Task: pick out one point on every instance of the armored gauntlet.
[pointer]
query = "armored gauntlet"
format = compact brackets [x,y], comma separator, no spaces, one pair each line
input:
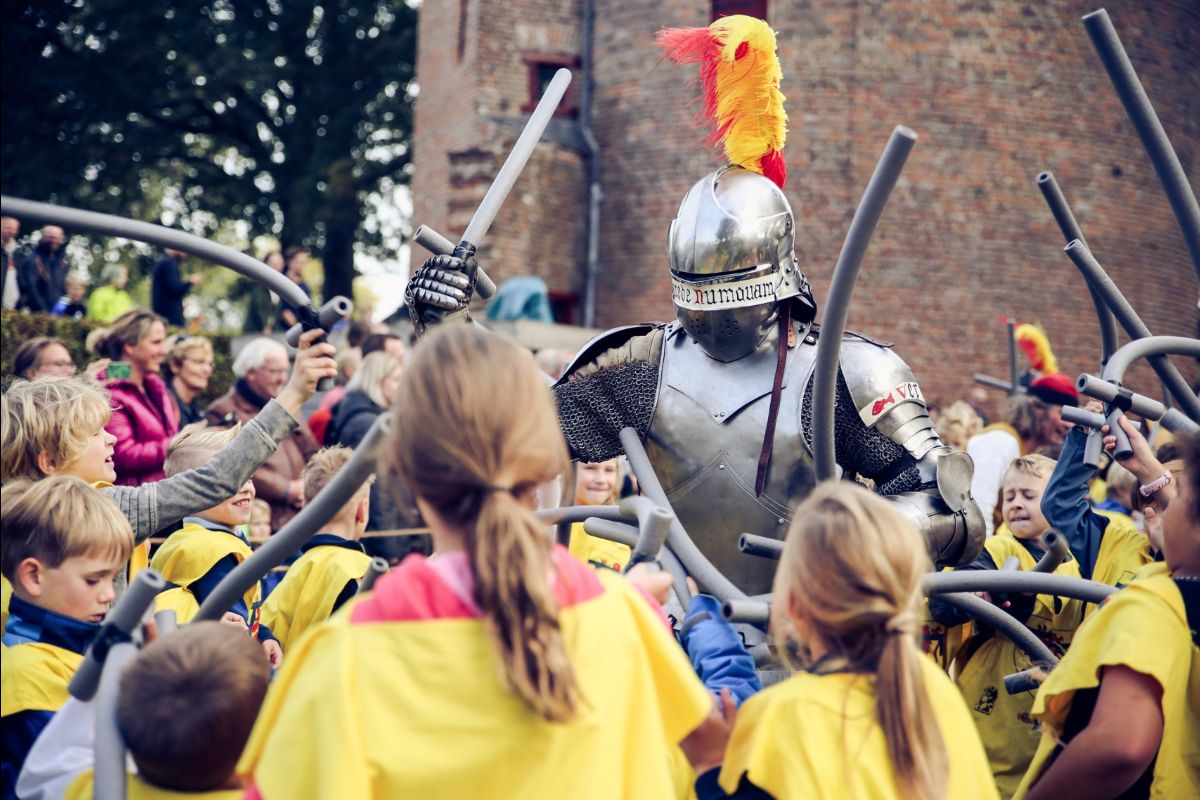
[441,291]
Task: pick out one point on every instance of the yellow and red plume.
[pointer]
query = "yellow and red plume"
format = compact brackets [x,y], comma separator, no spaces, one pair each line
[1036,347]
[740,74]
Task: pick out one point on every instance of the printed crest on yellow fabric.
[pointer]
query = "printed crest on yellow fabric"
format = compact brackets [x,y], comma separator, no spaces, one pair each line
[596,551]
[1006,726]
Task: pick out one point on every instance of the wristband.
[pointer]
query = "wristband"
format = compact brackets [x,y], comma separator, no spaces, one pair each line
[1148,489]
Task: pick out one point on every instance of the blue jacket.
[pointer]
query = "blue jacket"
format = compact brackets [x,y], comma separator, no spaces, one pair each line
[1065,505]
[716,650]
[28,623]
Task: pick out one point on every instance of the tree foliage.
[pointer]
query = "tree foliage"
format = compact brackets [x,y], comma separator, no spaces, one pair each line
[284,114]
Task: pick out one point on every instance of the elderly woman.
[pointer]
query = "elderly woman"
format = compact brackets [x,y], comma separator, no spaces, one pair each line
[189,366]
[144,416]
[262,369]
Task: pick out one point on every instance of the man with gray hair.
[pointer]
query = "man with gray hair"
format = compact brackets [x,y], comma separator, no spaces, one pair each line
[262,370]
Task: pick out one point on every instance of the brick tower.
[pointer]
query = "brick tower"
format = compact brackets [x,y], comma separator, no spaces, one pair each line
[997,92]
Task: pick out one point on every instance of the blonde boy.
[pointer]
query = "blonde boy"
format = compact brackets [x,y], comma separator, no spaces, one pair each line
[55,426]
[62,573]
[1005,725]
[209,545]
[333,562]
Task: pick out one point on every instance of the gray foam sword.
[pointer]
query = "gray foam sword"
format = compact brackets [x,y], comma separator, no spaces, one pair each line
[498,191]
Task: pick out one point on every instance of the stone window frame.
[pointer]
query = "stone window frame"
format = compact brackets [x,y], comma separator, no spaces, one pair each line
[534,62]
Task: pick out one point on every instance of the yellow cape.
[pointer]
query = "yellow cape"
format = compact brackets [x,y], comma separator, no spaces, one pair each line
[35,677]
[817,736]
[414,709]
[1144,627]
[307,592]
[185,557]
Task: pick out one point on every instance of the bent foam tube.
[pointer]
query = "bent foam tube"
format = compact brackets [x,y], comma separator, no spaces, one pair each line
[109,225]
[762,546]
[1149,129]
[1071,230]
[995,581]
[837,301]
[1083,258]
[375,570]
[109,776]
[1005,623]
[1057,551]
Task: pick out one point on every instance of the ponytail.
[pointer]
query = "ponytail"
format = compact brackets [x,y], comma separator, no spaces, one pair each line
[512,565]
[474,433]
[906,716]
[853,565]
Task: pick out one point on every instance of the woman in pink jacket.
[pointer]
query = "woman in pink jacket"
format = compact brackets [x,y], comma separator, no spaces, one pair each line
[145,417]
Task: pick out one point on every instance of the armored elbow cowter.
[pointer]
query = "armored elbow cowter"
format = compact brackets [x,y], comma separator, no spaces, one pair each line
[938,497]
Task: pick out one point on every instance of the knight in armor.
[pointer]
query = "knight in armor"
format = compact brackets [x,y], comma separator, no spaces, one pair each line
[722,395]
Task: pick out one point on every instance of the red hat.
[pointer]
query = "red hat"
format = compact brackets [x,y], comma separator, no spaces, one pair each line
[1056,388]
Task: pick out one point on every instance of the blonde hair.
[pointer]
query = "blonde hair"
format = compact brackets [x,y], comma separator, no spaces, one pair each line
[853,564]
[375,368]
[126,330]
[194,445]
[321,468]
[1034,464]
[477,462]
[186,345]
[957,424]
[58,518]
[260,508]
[54,415]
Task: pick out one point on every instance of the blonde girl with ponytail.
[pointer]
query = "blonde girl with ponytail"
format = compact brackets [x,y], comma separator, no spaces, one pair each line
[866,715]
[500,666]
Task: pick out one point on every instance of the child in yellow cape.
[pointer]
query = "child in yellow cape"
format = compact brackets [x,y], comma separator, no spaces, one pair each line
[333,562]
[501,666]
[869,716]
[1008,731]
[1121,710]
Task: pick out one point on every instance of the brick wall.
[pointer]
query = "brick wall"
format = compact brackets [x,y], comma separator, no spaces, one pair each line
[997,92]
[468,116]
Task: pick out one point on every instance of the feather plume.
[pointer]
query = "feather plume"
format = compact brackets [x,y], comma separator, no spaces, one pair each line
[740,75]
[1036,347]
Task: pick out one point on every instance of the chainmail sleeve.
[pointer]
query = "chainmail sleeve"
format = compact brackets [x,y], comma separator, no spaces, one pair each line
[612,384]
[864,450]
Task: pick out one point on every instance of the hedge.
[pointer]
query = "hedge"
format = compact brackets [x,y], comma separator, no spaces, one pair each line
[18,327]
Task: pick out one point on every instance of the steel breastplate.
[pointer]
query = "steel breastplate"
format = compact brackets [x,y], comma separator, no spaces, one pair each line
[704,441]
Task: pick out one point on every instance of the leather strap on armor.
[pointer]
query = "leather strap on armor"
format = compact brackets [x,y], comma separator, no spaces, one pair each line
[764,456]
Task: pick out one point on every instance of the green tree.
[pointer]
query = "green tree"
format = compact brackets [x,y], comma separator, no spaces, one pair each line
[283,114]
